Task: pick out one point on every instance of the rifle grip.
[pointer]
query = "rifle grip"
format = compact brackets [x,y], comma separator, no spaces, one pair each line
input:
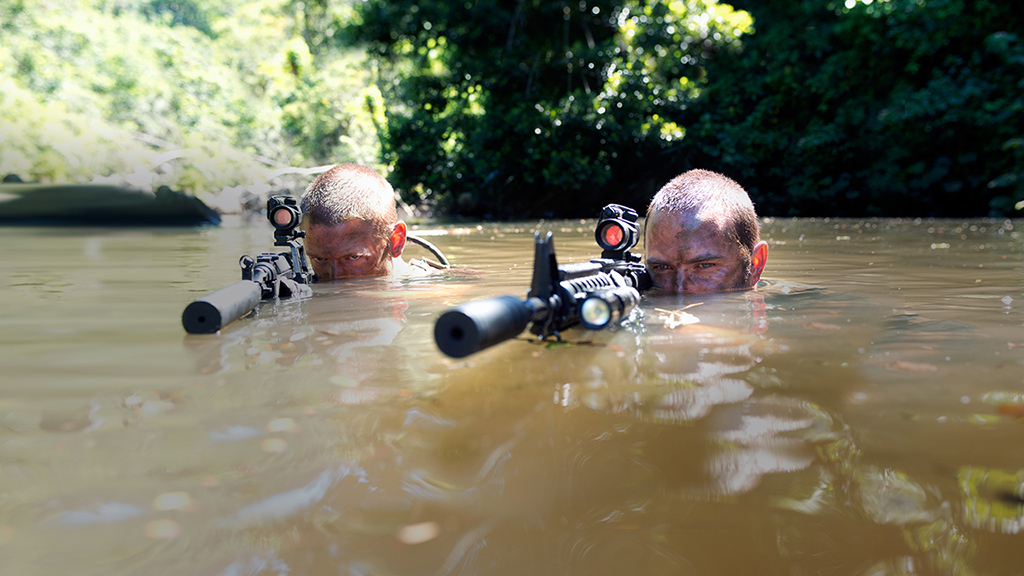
[218,309]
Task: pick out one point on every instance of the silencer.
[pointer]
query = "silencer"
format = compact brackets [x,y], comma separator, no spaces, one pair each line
[474,326]
[218,309]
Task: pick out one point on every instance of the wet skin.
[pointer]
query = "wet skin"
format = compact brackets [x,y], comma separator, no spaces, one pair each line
[352,249]
[689,254]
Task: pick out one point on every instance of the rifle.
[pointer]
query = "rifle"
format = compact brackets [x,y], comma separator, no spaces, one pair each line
[597,293]
[269,276]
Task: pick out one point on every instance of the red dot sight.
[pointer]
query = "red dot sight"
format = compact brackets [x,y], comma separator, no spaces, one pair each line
[283,213]
[617,231]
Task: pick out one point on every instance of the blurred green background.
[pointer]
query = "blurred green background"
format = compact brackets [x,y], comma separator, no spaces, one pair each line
[527,108]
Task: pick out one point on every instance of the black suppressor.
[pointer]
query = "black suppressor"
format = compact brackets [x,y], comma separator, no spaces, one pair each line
[474,326]
[218,309]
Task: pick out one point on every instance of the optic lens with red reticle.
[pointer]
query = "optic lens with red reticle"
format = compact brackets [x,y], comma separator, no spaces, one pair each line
[617,230]
[612,235]
[283,213]
[283,218]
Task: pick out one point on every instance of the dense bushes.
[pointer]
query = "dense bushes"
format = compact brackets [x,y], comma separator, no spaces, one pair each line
[897,107]
[533,107]
[904,107]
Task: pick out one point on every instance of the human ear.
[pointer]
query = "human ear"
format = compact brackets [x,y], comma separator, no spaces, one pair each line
[758,258]
[397,239]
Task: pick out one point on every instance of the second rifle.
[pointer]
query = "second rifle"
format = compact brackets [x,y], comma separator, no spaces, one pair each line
[597,293]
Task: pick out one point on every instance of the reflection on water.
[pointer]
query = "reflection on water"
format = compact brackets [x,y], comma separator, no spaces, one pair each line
[861,413]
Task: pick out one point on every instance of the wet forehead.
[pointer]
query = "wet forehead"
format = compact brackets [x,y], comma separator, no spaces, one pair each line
[352,234]
[688,235]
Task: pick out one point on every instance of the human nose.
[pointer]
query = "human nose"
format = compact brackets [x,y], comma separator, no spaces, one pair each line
[346,268]
[326,269]
[687,283]
[680,281]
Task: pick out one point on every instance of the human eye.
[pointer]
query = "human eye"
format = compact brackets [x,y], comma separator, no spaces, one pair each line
[705,265]
[659,266]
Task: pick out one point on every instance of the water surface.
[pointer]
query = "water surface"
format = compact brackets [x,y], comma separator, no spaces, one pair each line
[858,415]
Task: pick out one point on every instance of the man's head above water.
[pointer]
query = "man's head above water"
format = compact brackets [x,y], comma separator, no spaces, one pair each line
[701,235]
[351,224]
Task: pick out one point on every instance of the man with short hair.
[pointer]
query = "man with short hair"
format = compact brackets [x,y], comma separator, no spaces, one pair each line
[701,235]
[351,224]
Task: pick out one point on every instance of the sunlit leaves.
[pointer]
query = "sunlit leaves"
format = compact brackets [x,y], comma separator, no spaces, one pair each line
[992,498]
[530,108]
[234,84]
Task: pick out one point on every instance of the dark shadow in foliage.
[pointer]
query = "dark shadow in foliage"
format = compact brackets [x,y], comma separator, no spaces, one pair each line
[898,108]
[895,108]
[181,13]
[504,110]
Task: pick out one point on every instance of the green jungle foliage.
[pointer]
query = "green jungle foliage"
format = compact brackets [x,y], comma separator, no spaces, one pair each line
[533,108]
[899,107]
[201,95]
[526,108]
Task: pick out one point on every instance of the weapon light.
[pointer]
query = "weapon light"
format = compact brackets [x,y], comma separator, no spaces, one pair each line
[604,307]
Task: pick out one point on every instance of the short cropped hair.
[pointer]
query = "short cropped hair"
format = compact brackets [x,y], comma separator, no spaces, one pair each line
[349,191]
[710,194]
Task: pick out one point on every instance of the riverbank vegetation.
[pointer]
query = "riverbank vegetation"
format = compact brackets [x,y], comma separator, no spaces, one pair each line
[201,95]
[529,108]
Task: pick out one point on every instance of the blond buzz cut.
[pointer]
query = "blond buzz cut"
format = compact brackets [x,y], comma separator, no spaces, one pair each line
[348,191]
[706,193]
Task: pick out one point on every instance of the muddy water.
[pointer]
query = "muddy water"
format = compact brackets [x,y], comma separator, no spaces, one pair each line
[859,414]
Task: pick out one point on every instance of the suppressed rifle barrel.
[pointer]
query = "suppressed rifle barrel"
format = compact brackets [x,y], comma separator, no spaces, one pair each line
[473,326]
[218,309]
